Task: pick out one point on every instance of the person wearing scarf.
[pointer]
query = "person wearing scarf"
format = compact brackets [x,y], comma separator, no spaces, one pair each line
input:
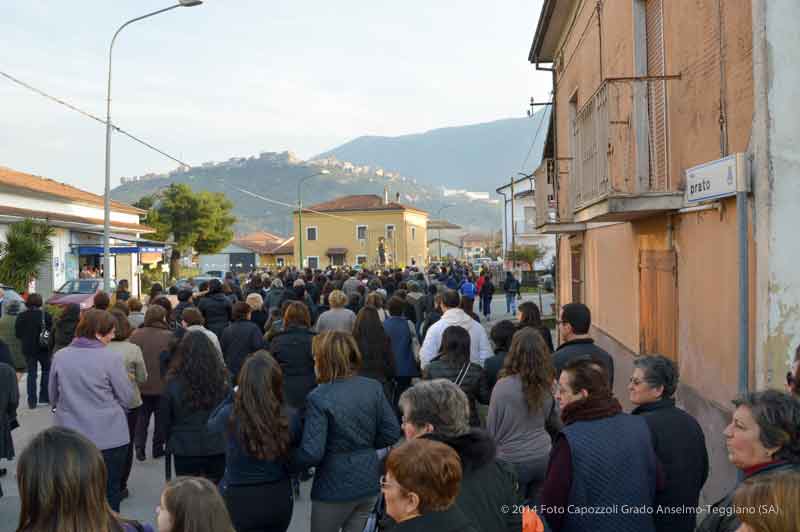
[603,473]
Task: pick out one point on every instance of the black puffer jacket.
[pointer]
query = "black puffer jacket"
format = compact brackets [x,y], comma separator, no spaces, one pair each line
[64,329]
[292,349]
[475,384]
[216,309]
[240,339]
[487,485]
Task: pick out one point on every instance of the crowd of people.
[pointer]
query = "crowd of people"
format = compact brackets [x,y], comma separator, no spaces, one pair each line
[385,390]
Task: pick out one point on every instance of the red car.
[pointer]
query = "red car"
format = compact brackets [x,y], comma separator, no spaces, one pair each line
[79,291]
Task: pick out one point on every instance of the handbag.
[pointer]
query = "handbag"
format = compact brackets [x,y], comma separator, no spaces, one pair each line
[44,335]
[376,515]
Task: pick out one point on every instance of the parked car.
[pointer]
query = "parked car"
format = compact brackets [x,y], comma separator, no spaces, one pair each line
[197,281]
[12,295]
[80,291]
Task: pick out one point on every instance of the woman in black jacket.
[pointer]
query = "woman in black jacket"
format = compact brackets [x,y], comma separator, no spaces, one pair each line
[292,349]
[453,364]
[529,315]
[241,338]
[64,329]
[216,308]
[377,361]
[197,382]
[28,328]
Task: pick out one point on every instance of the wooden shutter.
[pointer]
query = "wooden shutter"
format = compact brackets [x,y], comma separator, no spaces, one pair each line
[658,303]
[657,95]
[577,274]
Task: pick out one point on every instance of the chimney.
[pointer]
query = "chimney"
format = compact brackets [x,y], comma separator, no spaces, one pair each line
[397,197]
[386,194]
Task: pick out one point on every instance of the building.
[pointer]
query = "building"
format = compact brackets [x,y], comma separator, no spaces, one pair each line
[443,248]
[644,92]
[273,251]
[519,223]
[352,229]
[77,217]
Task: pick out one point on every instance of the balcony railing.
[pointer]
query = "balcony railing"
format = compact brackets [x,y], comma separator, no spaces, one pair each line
[590,137]
[546,201]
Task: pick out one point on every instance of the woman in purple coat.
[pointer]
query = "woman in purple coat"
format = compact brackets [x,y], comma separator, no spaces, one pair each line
[90,392]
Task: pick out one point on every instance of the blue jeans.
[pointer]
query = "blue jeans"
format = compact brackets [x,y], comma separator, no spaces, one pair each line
[511,303]
[32,362]
[487,305]
[115,469]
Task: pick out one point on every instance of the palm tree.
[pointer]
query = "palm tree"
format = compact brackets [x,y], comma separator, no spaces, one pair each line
[26,247]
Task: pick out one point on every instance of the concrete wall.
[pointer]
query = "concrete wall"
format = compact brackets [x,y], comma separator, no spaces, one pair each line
[776,180]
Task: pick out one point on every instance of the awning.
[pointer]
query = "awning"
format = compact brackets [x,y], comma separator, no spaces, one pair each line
[336,251]
[98,250]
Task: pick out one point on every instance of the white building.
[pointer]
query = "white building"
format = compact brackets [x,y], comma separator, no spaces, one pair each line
[519,220]
[77,217]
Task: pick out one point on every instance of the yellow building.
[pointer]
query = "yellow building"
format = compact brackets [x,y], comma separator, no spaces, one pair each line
[352,229]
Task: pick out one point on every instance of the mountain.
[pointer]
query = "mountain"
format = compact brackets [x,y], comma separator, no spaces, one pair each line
[274,176]
[476,157]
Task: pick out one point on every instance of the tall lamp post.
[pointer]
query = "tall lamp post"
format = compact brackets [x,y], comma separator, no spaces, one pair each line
[439,213]
[107,196]
[300,210]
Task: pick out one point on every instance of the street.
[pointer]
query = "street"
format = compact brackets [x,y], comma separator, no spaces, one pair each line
[147,478]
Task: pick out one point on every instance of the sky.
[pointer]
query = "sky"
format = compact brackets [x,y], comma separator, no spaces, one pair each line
[233,78]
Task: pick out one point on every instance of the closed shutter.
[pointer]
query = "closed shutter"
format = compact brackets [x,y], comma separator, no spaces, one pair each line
[577,274]
[658,304]
[657,95]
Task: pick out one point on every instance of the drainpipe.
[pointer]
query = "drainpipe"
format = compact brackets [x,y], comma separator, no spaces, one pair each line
[742,178]
[505,223]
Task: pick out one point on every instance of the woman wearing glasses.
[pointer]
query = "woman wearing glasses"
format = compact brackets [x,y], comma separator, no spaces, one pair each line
[685,459]
[420,488]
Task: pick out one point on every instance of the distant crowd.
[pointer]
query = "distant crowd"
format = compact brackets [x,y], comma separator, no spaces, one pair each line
[386,389]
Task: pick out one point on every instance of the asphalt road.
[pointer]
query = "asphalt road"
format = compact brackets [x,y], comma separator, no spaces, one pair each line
[147,478]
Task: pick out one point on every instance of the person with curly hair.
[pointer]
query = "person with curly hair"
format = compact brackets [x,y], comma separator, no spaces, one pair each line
[522,408]
[197,382]
[259,438]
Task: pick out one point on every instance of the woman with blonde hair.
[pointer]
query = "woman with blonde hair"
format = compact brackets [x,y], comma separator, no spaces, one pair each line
[338,318]
[769,503]
[348,420]
[62,486]
[257,314]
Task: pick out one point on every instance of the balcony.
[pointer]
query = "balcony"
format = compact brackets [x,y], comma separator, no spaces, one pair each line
[618,168]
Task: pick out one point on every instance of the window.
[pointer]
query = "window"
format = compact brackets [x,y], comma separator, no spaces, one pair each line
[337,260]
[280,262]
[389,231]
[311,233]
[361,259]
[313,262]
[361,232]
[413,233]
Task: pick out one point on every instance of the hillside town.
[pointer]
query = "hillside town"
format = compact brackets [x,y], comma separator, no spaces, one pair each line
[603,338]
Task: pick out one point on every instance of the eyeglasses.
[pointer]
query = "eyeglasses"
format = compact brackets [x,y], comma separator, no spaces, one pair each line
[635,382]
[386,484]
[790,380]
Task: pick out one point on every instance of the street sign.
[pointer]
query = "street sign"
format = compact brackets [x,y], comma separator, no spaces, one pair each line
[712,180]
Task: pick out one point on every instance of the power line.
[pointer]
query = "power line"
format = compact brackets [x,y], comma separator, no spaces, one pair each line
[536,136]
[89,115]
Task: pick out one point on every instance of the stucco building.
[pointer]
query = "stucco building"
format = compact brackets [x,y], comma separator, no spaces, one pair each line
[77,219]
[351,230]
[644,90]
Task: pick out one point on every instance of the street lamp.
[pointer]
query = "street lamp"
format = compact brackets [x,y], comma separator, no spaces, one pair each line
[300,210]
[107,196]
[438,213]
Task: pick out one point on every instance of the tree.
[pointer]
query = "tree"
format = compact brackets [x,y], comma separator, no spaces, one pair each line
[26,247]
[529,255]
[202,220]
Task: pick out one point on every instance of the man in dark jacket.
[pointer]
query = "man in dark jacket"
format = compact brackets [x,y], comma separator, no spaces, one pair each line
[439,410]
[215,307]
[28,329]
[684,458]
[241,338]
[576,319]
